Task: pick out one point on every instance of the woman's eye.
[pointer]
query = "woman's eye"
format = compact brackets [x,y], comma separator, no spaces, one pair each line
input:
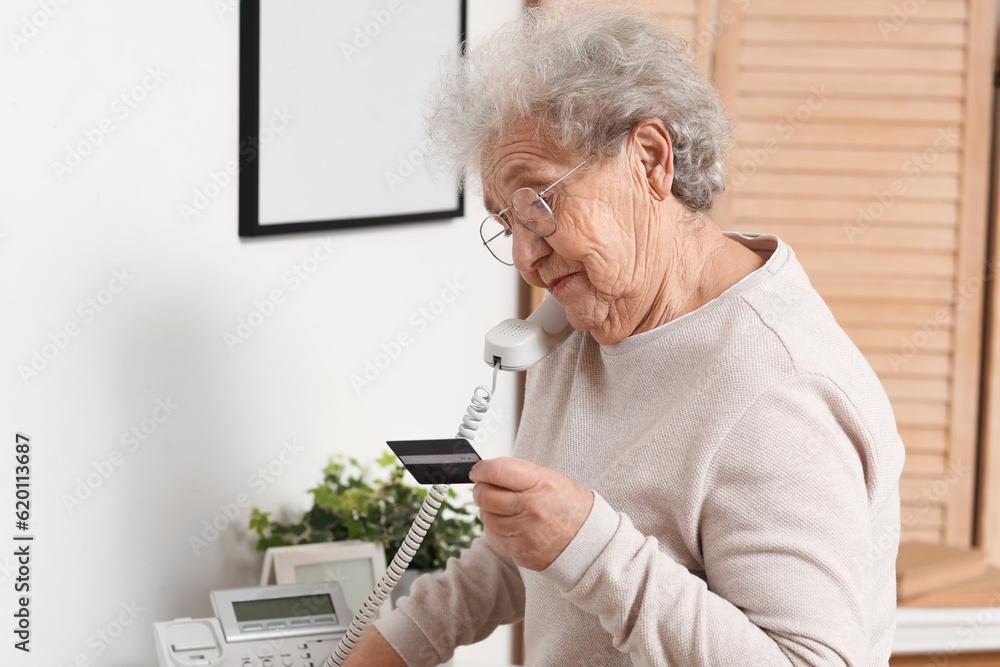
[543,205]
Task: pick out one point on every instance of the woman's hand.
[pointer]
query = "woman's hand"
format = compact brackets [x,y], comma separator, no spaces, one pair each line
[530,513]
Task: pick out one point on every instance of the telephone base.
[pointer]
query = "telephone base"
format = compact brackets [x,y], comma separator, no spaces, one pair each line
[206,647]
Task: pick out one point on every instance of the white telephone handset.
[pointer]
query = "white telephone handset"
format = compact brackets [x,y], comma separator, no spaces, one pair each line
[512,345]
[516,345]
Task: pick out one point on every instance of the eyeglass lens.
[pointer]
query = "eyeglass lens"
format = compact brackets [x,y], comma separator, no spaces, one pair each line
[531,210]
[497,237]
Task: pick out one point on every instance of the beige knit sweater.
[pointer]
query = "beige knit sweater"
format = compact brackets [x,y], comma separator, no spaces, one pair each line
[745,463]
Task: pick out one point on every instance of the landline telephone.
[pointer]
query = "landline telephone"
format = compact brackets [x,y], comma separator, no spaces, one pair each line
[273,631]
[292,625]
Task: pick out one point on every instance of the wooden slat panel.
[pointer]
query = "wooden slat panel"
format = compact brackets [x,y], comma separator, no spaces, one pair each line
[921,516]
[916,389]
[914,488]
[905,164]
[901,212]
[768,106]
[875,262]
[924,439]
[897,313]
[692,20]
[928,490]
[707,33]
[854,32]
[912,362]
[859,188]
[681,23]
[683,26]
[666,6]
[891,339]
[875,84]
[908,534]
[858,58]
[846,135]
[853,9]
[918,464]
[882,290]
[920,414]
[877,236]
[923,363]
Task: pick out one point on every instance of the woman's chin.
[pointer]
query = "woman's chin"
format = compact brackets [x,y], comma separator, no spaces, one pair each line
[584,318]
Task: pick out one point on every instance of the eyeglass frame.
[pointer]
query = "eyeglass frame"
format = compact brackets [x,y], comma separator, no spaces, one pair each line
[518,216]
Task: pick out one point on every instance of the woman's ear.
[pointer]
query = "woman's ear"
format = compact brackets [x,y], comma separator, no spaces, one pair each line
[654,150]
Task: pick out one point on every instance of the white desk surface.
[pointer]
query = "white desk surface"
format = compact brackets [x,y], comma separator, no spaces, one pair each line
[957,630]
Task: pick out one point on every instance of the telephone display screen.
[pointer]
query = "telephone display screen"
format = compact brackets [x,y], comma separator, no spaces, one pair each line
[262,610]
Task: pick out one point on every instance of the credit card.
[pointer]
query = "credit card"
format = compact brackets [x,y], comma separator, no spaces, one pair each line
[436,461]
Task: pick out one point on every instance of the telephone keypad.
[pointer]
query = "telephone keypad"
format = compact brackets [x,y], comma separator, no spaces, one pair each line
[307,653]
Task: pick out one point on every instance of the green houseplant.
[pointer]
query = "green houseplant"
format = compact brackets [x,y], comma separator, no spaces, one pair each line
[347,507]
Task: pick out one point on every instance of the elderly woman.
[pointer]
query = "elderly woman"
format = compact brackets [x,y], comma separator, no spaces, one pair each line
[707,469]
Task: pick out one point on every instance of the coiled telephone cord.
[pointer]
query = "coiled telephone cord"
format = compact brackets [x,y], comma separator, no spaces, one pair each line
[474,414]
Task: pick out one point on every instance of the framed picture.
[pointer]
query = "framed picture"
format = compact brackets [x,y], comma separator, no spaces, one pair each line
[355,565]
[331,112]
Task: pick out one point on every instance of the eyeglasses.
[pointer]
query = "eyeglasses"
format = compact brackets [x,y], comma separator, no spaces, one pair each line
[531,209]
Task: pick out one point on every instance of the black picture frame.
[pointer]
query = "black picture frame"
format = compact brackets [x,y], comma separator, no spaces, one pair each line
[424,203]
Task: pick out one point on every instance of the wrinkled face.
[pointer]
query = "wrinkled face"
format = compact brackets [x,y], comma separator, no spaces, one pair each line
[597,262]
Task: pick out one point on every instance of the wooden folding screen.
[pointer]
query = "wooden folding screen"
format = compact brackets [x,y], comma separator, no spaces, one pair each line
[863,131]
[863,141]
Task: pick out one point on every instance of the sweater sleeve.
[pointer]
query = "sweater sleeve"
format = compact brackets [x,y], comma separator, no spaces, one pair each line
[783,532]
[477,591]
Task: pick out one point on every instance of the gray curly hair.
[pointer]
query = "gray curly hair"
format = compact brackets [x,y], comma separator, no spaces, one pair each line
[584,75]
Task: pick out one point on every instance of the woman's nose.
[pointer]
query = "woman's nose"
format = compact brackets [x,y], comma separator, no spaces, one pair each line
[528,248]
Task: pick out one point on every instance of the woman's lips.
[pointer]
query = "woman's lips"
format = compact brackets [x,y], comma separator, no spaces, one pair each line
[561,281]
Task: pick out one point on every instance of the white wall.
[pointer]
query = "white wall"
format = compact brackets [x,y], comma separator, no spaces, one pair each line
[160,337]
